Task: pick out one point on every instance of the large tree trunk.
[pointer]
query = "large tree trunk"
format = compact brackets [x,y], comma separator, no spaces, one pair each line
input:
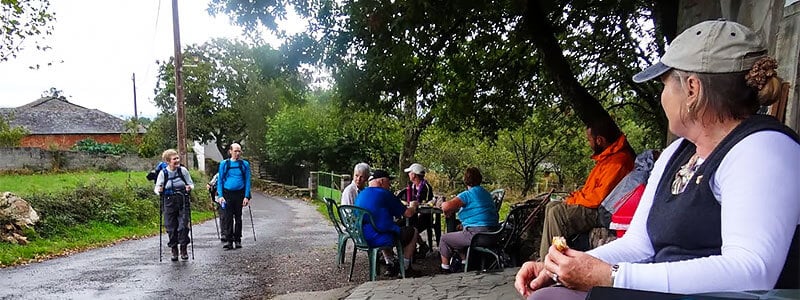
[538,28]
[412,129]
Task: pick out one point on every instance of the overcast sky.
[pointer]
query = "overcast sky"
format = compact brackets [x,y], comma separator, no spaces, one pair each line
[102,43]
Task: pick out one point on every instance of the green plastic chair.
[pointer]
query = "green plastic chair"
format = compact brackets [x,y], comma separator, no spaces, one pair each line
[333,208]
[352,218]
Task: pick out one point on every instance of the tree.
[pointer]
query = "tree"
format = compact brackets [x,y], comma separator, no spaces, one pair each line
[161,135]
[53,93]
[451,153]
[11,136]
[227,84]
[533,144]
[299,138]
[22,20]
[481,64]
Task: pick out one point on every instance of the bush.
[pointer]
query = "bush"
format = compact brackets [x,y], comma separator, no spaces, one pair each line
[129,204]
[93,147]
[92,202]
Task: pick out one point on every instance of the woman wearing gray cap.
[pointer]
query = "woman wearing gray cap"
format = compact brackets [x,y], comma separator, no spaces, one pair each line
[721,205]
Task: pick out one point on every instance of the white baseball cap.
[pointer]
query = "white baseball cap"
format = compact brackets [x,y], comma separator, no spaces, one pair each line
[717,46]
[416,169]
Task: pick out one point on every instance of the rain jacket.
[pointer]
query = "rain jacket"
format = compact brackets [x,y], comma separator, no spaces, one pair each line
[611,166]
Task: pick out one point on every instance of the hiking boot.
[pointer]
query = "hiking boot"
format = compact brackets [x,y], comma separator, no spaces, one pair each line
[423,248]
[175,253]
[410,273]
[228,246]
[237,245]
[184,253]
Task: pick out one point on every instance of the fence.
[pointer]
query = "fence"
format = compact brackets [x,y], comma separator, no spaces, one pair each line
[324,184]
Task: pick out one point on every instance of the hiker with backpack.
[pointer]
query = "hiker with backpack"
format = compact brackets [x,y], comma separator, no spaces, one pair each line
[233,193]
[173,184]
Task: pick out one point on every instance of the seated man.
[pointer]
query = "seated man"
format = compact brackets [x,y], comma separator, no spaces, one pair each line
[360,175]
[384,206]
[578,212]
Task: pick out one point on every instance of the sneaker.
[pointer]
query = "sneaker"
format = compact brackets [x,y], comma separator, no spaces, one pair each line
[456,265]
[237,245]
[228,246]
[175,253]
[184,253]
[445,271]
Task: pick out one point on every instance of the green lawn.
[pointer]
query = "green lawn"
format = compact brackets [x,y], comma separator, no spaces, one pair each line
[49,183]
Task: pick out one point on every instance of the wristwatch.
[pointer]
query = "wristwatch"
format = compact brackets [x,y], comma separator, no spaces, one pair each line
[614,270]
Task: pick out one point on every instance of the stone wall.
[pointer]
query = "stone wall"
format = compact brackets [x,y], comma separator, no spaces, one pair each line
[38,159]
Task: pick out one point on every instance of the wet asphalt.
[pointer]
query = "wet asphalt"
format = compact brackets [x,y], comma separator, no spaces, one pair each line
[131,269]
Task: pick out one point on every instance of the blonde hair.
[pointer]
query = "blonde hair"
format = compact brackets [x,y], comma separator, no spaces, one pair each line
[168,154]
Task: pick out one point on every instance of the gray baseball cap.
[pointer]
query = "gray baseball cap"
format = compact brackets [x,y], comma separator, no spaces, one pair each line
[718,46]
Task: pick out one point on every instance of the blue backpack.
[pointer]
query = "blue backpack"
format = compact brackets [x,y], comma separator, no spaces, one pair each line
[153,174]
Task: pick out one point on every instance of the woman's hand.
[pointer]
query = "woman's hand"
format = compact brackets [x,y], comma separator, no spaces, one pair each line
[530,277]
[577,270]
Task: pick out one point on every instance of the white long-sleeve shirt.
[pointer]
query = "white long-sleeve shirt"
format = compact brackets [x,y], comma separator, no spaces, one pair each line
[758,187]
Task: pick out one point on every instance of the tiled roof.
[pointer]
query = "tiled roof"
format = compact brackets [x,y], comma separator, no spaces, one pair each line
[52,115]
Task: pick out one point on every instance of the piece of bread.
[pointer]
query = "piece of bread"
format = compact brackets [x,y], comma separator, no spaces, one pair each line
[560,242]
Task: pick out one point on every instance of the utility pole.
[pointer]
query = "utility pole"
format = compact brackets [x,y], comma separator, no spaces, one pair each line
[179,113]
[135,110]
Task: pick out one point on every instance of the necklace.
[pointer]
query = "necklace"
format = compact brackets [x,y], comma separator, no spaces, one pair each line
[685,174]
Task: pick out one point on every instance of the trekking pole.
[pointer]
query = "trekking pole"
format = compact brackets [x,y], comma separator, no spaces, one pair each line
[160,221]
[214,210]
[252,225]
[188,202]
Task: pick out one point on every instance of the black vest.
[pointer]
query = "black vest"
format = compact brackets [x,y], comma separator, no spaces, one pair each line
[688,225]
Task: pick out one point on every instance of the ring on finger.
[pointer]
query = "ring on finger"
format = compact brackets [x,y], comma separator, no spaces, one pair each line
[554,276]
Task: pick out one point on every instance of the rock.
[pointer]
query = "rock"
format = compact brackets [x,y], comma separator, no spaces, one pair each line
[18,210]
[15,214]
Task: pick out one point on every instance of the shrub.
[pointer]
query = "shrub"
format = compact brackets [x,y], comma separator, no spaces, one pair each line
[93,147]
[132,204]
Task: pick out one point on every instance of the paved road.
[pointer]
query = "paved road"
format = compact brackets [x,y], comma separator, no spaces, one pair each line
[131,269]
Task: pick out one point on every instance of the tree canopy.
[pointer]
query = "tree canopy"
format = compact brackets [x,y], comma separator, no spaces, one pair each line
[24,20]
[481,64]
[229,90]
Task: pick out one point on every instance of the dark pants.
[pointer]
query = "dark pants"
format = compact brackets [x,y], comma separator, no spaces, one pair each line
[232,220]
[176,219]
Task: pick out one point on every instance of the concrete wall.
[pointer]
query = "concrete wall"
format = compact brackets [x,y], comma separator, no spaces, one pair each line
[37,159]
[777,20]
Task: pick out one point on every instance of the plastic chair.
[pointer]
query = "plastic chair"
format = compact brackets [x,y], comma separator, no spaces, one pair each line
[354,219]
[502,244]
[333,208]
[497,196]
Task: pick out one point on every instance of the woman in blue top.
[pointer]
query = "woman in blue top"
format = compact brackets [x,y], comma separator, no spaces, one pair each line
[475,210]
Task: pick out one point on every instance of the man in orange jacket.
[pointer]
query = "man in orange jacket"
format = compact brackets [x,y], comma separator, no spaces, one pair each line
[613,158]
